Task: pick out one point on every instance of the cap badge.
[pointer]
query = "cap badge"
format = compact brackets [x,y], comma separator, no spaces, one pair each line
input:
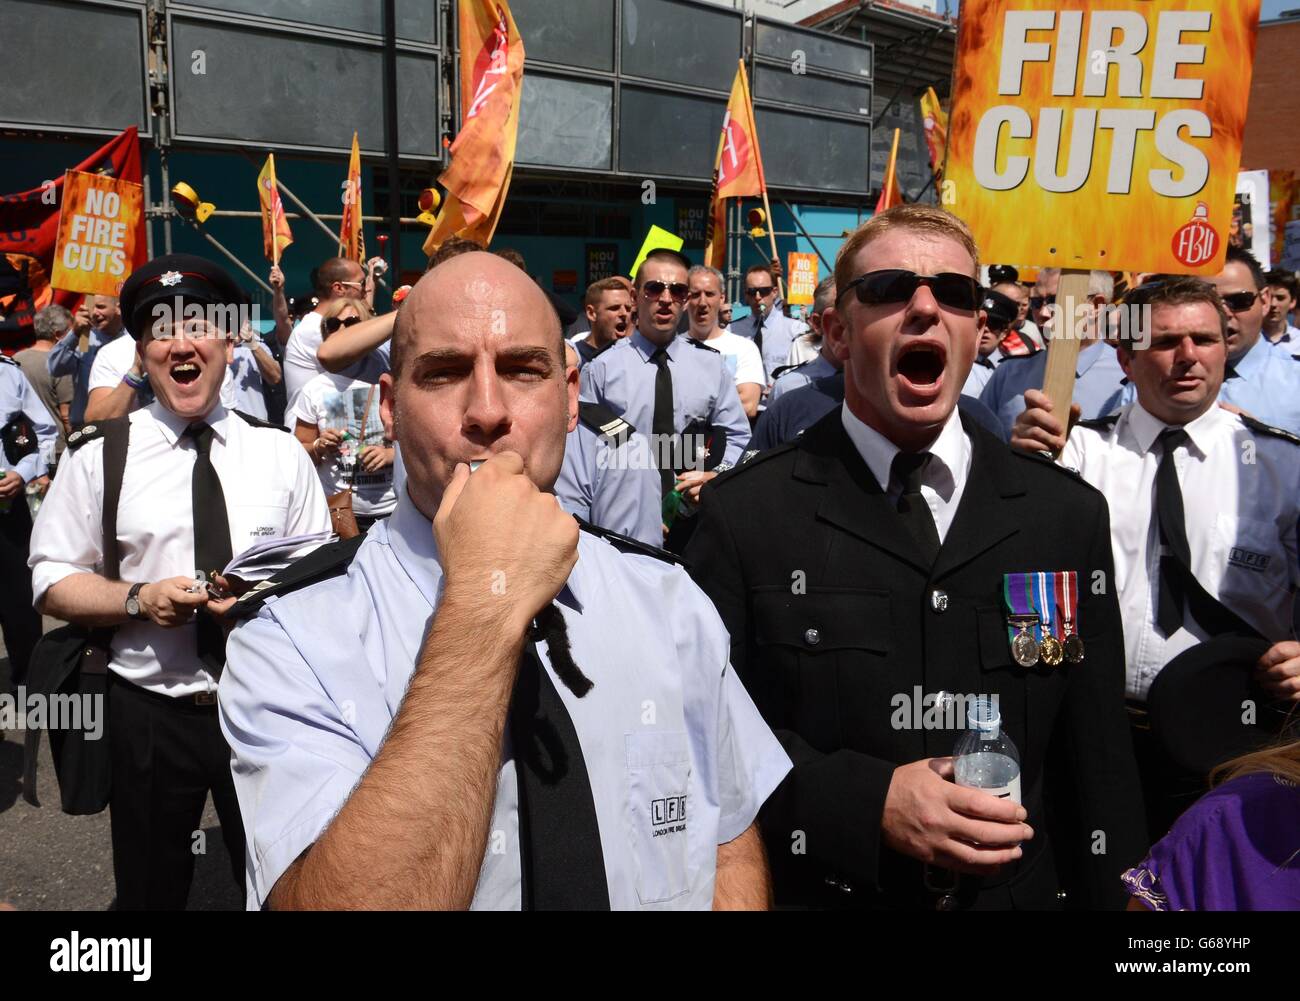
[170,278]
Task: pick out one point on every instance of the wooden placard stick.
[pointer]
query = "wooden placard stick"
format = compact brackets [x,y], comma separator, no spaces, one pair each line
[1063,348]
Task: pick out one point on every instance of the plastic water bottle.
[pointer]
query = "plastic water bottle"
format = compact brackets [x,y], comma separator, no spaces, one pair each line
[985,758]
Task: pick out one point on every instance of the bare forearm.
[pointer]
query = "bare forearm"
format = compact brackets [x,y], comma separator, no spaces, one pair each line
[351,344]
[87,599]
[267,365]
[104,404]
[413,832]
[750,394]
[280,313]
[743,882]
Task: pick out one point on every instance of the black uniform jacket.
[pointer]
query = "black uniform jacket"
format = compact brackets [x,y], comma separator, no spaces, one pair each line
[837,627]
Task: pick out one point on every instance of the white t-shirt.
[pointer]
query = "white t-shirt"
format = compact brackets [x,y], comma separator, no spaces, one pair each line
[742,356]
[300,364]
[339,402]
[117,357]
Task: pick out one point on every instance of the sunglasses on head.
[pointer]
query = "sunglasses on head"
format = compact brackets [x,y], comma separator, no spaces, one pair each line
[1239,302]
[881,288]
[333,323]
[762,291]
[654,289]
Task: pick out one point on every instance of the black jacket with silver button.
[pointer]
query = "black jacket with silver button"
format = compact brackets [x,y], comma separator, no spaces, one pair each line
[833,615]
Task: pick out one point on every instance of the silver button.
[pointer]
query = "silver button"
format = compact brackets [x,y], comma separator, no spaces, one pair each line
[939,601]
[837,884]
[812,637]
[946,903]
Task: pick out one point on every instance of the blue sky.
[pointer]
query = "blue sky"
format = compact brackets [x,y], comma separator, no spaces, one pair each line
[1271,8]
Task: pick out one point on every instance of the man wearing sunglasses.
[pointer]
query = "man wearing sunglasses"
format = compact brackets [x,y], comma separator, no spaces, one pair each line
[338,278]
[1098,378]
[862,568]
[1000,314]
[767,325]
[665,385]
[1042,302]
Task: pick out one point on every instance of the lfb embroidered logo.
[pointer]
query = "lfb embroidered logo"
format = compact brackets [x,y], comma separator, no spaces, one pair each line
[1247,560]
[668,815]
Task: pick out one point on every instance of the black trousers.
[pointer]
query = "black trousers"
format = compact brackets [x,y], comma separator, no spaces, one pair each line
[18,620]
[1167,789]
[167,754]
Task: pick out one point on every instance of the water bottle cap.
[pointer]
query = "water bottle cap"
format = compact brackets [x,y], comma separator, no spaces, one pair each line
[984,715]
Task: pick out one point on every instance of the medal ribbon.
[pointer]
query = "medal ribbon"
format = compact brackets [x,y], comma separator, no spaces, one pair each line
[1018,592]
[1046,604]
[1069,597]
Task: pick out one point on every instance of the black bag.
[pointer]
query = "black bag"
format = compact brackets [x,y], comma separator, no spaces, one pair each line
[73,661]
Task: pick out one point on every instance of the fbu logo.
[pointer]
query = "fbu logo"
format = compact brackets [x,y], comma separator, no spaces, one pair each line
[668,811]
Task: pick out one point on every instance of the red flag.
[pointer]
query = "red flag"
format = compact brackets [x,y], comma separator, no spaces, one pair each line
[29,227]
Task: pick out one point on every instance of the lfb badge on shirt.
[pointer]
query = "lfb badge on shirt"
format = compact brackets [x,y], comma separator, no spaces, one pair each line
[1043,617]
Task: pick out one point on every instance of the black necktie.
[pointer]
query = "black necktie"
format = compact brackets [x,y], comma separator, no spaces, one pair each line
[561,861]
[1178,585]
[662,426]
[758,335]
[912,508]
[211,540]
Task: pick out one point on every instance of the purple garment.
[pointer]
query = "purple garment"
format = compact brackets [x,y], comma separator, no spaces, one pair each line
[1237,848]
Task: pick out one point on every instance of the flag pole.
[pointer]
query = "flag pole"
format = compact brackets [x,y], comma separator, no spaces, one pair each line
[771,235]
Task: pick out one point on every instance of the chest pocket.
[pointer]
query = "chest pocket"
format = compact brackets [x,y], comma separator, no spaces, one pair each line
[1251,559]
[823,620]
[258,519]
[658,810]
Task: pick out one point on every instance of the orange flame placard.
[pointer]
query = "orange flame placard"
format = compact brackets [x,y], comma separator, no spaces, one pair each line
[1100,133]
[97,249]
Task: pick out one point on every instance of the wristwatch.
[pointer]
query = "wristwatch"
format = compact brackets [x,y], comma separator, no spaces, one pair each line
[133,603]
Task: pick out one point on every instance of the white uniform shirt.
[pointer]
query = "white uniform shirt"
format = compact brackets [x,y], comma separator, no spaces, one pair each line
[271,491]
[944,478]
[314,682]
[117,357]
[1241,499]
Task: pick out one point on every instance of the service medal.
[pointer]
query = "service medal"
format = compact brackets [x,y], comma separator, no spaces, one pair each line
[1074,649]
[1072,645]
[1051,651]
[1024,648]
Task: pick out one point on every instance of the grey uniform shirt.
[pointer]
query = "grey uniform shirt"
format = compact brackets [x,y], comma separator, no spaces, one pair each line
[18,398]
[623,379]
[313,683]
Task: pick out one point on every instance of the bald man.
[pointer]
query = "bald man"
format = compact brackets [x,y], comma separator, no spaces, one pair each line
[477,704]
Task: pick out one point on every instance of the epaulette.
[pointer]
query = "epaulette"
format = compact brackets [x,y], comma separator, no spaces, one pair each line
[1268,429]
[701,345]
[6,360]
[1099,423]
[1044,459]
[783,369]
[257,422]
[626,544]
[756,457]
[92,431]
[320,564]
[602,421]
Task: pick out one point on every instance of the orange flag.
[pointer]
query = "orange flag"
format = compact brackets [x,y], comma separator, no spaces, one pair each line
[889,193]
[483,155]
[275,226]
[738,169]
[352,242]
[936,128]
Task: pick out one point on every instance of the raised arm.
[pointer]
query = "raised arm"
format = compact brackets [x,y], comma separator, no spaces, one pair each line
[349,345]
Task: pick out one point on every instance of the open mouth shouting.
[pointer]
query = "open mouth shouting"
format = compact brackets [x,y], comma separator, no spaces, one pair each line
[921,366]
[184,373]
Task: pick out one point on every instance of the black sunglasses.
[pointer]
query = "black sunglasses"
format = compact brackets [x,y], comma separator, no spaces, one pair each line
[880,288]
[654,289]
[333,323]
[760,290]
[1239,302]
[1037,302]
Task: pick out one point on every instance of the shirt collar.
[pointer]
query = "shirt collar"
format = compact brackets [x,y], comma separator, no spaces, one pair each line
[648,347]
[410,536]
[1146,428]
[1089,355]
[173,426]
[1253,360]
[951,451]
